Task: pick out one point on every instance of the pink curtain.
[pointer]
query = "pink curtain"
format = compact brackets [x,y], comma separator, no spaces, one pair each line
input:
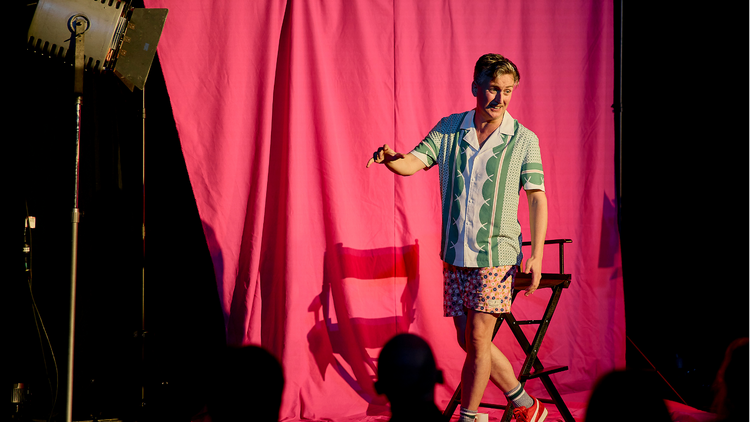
[279,104]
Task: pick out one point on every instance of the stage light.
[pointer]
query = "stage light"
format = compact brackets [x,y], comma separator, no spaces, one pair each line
[96,36]
[118,37]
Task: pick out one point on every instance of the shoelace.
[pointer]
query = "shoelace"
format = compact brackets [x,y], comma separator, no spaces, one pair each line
[520,414]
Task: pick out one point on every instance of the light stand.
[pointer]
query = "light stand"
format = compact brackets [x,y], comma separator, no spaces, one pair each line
[78,25]
[122,40]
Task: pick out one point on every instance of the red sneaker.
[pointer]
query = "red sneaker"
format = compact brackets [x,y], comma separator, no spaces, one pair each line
[535,413]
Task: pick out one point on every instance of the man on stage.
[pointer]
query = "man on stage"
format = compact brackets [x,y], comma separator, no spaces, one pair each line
[484,157]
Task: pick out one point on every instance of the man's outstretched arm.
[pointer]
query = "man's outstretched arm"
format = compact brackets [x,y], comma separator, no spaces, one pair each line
[403,165]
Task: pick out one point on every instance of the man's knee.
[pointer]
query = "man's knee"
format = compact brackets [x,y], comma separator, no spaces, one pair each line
[479,328]
[478,341]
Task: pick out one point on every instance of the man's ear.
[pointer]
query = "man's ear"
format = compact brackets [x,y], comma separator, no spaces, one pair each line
[474,88]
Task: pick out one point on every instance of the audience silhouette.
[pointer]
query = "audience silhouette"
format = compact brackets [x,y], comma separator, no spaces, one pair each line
[626,396]
[731,384]
[407,375]
[250,382]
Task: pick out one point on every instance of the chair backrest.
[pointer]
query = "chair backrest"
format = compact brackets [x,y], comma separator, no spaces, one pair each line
[561,250]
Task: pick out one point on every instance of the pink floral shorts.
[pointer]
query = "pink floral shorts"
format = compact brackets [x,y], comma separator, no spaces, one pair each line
[487,290]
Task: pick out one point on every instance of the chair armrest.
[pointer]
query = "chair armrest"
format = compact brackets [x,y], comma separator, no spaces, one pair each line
[561,249]
[550,242]
[523,280]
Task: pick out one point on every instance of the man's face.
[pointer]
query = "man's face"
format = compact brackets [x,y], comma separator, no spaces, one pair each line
[493,96]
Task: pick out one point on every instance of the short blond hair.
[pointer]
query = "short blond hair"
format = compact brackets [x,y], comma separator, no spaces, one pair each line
[493,65]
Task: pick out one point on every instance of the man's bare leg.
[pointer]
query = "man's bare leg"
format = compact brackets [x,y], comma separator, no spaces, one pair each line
[483,362]
[478,365]
[501,371]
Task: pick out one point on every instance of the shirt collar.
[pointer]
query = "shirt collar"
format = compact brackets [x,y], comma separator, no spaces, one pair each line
[507,127]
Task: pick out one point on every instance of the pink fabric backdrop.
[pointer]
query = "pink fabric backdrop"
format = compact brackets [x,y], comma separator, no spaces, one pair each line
[279,104]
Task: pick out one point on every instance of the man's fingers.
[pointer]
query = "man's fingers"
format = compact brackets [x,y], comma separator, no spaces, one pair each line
[535,280]
[386,150]
[376,157]
[379,155]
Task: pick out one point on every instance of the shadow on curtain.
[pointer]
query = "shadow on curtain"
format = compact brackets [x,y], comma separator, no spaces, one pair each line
[348,332]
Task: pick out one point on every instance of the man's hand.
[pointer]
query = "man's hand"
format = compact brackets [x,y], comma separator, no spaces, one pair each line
[401,164]
[533,267]
[384,154]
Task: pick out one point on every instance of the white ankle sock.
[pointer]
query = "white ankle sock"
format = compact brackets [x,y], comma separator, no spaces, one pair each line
[519,397]
[467,415]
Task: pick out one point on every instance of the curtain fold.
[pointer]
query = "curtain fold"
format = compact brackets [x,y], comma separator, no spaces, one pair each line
[279,104]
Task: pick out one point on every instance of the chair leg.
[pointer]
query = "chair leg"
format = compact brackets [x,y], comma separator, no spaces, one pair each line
[455,400]
[555,396]
[532,349]
[508,414]
[498,323]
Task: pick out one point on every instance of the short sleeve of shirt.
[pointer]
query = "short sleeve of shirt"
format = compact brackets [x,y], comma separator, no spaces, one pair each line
[532,174]
[427,151]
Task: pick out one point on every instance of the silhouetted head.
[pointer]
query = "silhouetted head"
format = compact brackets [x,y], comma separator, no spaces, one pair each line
[248,386]
[731,387]
[626,396]
[407,370]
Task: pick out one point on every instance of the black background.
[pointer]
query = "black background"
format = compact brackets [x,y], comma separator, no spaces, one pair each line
[684,201]
[683,222]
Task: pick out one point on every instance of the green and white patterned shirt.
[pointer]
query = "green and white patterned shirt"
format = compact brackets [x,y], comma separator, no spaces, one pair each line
[480,187]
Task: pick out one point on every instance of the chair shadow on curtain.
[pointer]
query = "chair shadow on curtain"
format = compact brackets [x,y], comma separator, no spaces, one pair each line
[367,297]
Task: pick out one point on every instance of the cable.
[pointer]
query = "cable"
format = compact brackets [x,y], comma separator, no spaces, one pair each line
[657,371]
[38,316]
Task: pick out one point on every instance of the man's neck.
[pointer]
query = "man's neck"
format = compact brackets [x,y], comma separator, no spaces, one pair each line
[485,128]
